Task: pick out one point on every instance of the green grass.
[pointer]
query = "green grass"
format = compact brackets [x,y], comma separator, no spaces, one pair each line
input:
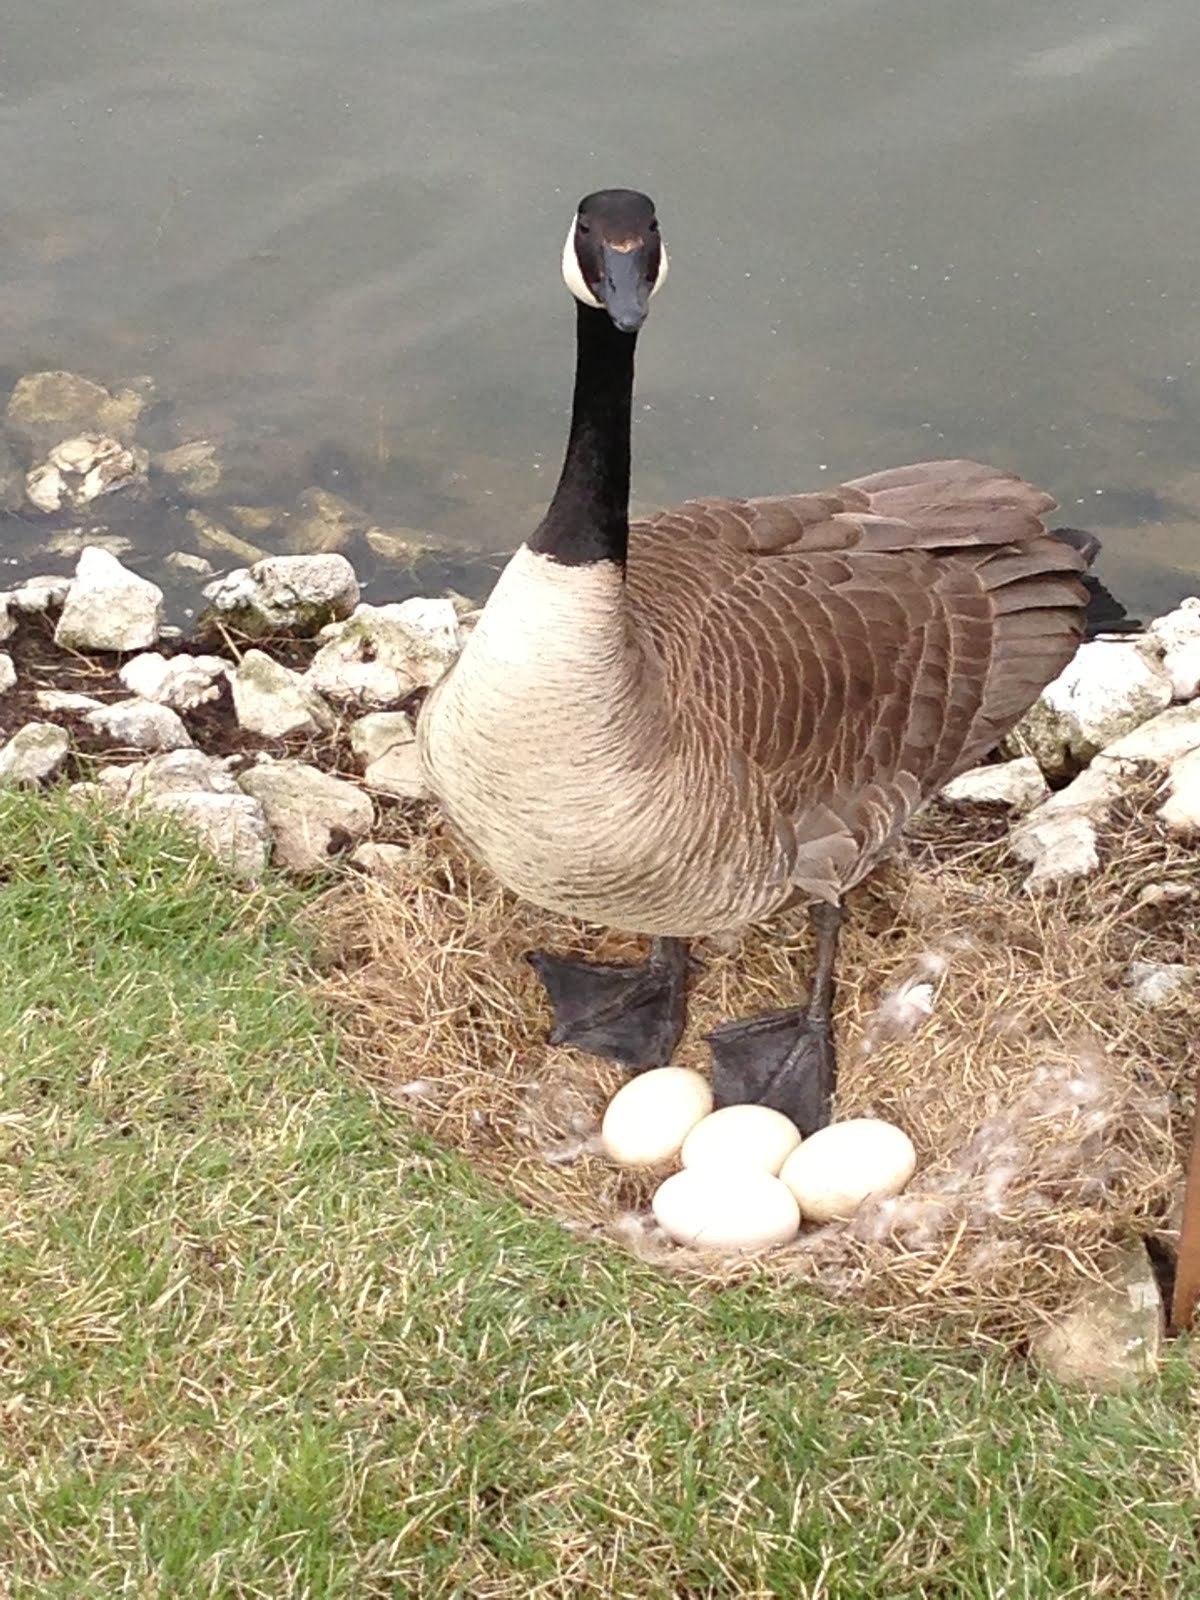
[256,1339]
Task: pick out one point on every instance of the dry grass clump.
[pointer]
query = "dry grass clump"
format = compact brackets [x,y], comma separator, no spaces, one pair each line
[1048,1107]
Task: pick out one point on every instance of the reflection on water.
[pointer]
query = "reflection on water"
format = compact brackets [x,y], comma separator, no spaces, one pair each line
[898,227]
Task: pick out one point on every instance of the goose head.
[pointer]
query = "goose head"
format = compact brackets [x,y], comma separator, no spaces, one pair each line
[614,258]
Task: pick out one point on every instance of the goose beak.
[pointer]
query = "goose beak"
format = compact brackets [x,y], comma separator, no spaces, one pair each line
[624,289]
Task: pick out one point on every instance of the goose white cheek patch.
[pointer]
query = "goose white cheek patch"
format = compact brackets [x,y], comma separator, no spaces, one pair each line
[574,279]
[572,276]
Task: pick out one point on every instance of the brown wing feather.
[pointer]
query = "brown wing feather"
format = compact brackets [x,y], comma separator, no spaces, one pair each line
[858,648]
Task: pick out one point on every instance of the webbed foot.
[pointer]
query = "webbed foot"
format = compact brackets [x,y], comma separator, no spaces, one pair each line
[780,1059]
[632,1013]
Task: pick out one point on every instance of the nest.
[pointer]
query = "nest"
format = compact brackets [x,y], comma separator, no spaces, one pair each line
[1049,1107]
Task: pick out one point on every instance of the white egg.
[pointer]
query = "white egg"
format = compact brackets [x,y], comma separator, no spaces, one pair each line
[726,1209]
[741,1136]
[835,1170]
[649,1117]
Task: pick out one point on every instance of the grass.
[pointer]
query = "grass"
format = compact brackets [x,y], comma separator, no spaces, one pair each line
[258,1338]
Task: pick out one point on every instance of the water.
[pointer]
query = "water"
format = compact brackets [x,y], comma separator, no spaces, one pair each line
[898,228]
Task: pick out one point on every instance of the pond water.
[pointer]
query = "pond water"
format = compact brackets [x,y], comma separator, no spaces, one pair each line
[330,236]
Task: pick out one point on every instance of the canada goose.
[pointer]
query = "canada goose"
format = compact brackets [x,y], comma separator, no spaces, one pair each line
[681,726]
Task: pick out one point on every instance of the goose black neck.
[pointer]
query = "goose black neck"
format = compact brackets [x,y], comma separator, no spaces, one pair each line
[588,518]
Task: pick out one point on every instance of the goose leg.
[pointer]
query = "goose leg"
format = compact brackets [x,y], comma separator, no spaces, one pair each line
[785,1059]
[633,1014]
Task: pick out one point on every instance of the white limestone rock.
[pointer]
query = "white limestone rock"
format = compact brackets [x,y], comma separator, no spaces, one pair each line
[218,539]
[1181,809]
[65,700]
[292,595]
[194,466]
[1058,848]
[325,523]
[47,406]
[80,470]
[182,682]
[372,736]
[1154,983]
[403,547]
[185,561]
[398,773]
[1017,784]
[1112,1336]
[33,754]
[38,595]
[1162,739]
[1109,688]
[178,772]
[311,815]
[1178,636]
[230,827]
[139,725]
[202,793]
[385,652]
[271,700]
[72,542]
[8,673]
[8,621]
[109,607]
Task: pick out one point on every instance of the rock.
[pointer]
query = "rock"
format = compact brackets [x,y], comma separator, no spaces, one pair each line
[184,561]
[326,523]
[1155,982]
[404,546]
[1111,1338]
[203,795]
[382,860]
[64,700]
[73,542]
[183,682]
[12,478]
[1110,688]
[1017,784]
[194,466]
[8,673]
[1167,892]
[1178,635]
[398,773]
[8,622]
[109,607]
[230,827]
[1181,809]
[273,701]
[385,652]
[179,772]
[1182,666]
[372,736]
[310,814]
[294,595]
[80,470]
[140,725]
[38,595]
[1115,771]
[47,406]
[1059,847]
[256,520]
[34,753]
[212,536]
[1163,739]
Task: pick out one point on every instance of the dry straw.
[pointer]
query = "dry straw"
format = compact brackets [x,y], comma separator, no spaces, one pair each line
[1048,1106]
